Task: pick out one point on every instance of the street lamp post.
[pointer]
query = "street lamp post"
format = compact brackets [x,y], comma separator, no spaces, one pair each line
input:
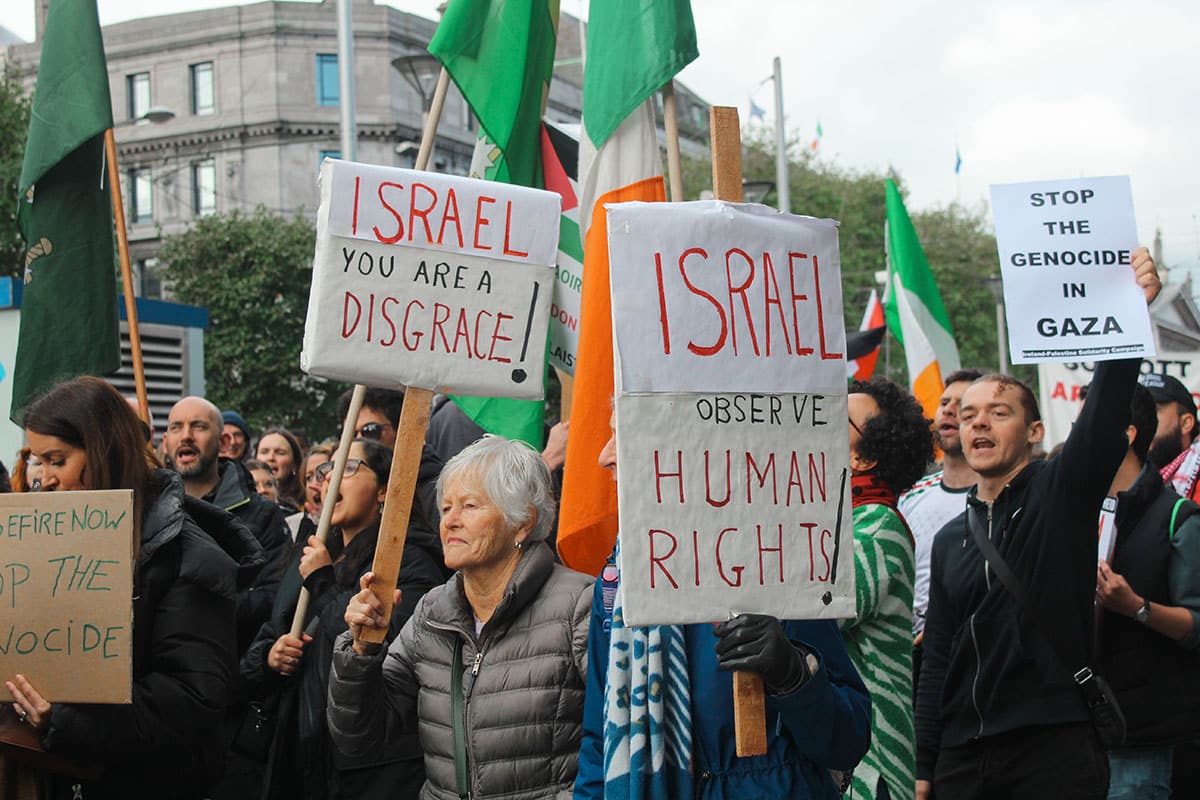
[996,284]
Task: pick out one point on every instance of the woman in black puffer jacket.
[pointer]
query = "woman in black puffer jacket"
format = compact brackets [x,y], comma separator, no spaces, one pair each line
[292,674]
[191,558]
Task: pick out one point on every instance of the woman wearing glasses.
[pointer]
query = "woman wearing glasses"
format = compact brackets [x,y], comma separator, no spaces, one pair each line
[292,673]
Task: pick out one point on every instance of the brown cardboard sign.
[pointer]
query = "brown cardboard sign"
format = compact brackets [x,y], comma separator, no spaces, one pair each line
[66,587]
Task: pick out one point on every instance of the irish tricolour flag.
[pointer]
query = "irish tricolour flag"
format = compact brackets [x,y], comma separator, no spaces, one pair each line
[633,48]
[915,314]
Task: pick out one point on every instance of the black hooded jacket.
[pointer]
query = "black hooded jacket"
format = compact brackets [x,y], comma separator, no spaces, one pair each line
[236,494]
[985,670]
[304,762]
[192,561]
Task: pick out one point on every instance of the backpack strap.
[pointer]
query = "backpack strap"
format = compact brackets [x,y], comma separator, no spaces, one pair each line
[1174,515]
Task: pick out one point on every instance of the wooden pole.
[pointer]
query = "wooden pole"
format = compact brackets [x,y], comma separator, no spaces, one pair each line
[410,438]
[749,698]
[567,382]
[671,124]
[135,339]
[335,485]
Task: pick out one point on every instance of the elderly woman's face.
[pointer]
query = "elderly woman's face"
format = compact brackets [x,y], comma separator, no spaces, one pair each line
[473,530]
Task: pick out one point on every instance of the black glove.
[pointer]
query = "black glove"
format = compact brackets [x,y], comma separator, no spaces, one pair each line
[757,643]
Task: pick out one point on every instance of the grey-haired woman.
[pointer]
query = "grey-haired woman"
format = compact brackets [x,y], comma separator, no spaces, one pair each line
[491,668]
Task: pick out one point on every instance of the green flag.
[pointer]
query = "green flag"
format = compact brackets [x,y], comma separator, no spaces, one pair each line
[69,306]
[913,304]
[644,46]
[500,54]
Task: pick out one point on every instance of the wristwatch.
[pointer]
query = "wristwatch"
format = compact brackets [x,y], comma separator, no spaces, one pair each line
[1142,615]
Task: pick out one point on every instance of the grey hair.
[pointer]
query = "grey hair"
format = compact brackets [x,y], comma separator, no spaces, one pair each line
[513,476]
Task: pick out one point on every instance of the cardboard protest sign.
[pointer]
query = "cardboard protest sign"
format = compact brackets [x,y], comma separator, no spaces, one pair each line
[733,459]
[66,583]
[430,280]
[1060,386]
[1065,249]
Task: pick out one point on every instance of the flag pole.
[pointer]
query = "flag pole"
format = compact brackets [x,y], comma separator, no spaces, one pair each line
[782,190]
[749,697]
[671,124]
[135,339]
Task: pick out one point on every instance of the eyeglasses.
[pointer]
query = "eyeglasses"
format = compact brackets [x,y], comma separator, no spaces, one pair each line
[314,476]
[352,465]
[857,429]
[372,431]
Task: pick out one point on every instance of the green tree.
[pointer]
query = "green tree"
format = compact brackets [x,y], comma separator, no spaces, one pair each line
[253,274]
[14,128]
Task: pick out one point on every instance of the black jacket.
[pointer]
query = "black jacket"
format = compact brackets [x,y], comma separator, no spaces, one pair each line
[236,494]
[304,761]
[985,671]
[167,743]
[1157,681]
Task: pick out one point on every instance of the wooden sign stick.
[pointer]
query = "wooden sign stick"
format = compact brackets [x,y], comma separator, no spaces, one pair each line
[410,438]
[749,697]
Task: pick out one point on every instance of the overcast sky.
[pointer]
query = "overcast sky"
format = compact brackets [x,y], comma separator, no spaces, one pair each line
[1025,90]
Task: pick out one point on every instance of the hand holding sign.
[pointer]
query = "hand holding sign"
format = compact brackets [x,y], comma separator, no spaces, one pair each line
[1146,273]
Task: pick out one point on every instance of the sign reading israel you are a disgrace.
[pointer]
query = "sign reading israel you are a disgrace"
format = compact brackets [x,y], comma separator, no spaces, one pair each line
[66,583]
[1065,252]
[430,280]
[732,432]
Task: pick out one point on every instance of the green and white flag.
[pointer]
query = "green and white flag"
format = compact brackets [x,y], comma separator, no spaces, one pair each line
[69,307]
[500,54]
[915,313]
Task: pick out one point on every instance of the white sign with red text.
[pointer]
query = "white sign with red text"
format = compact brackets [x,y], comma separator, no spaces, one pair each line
[429,280]
[731,418]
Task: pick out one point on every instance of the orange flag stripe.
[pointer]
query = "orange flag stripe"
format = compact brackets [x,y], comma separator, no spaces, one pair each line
[587,521]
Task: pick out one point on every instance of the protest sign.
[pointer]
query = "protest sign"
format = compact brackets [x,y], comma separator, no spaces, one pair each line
[1060,387]
[731,414]
[1065,249]
[66,583]
[432,281]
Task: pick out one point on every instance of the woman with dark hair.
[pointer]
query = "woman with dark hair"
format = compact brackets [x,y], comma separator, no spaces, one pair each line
[293,673]
[890,445]
[167,741]
[280,450]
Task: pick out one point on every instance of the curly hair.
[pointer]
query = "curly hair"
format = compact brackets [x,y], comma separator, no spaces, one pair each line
[897,439]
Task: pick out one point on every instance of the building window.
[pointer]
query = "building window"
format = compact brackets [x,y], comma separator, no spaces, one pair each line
[139,94]
[327,79]
[141,196]
[147,282]
[204,188]
[202,88]
[324,154]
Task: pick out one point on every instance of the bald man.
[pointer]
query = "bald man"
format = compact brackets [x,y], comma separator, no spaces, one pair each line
[191,446]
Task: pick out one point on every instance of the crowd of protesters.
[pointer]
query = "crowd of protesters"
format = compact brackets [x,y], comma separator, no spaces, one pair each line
[994,651]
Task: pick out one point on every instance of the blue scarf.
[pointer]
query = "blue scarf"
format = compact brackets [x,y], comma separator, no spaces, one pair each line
[647,712]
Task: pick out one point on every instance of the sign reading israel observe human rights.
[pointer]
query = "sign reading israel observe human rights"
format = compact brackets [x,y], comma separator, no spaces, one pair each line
[730,413]
[430,280]
[1065,250]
